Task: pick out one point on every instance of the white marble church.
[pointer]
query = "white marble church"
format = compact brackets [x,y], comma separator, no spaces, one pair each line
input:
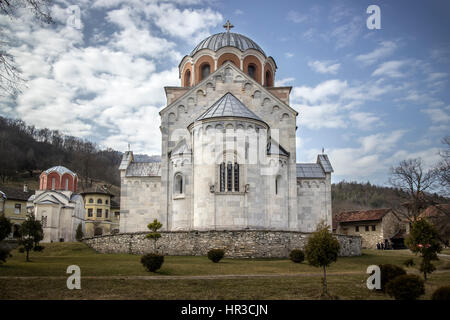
[228,147]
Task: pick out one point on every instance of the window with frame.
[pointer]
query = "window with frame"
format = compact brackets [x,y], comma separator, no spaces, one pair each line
[178,185]
[53,183]
[106,213]
[44,221]
[356,228]
[90,212]
[374,228]
[251,70]
[277,184]
[229,177]
[91,200]
[367,228]
[99,213]
[205,70]
[17,208]
[99,201]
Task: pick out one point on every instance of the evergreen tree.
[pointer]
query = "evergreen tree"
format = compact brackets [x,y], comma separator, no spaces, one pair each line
[321,250]
[31,233]
[424,239]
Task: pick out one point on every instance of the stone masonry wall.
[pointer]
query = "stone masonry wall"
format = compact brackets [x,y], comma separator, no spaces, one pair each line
[237,244]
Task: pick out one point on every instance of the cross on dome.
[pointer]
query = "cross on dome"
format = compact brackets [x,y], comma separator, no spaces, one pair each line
[228,26]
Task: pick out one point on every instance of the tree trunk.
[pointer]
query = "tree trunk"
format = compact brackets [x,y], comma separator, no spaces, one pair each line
[425,276]
[28,253]
[325,291]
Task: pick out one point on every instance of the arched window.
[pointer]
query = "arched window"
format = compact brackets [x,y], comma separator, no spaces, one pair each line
[236,176]
[187,78]
[229,177]
[99,201]
[222,177]
[178,185]
[67,184]
[53,183]
[91,200]
[206,70]
[251,70]
[268,79]
[277,184]
[106,201]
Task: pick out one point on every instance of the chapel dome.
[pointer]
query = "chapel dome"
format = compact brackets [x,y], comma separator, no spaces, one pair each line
[227,39]
[60,169]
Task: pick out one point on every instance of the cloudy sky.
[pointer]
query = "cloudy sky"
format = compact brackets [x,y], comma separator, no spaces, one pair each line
[369,97]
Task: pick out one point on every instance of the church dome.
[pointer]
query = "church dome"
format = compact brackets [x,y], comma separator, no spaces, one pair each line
[60,169]
[227,39]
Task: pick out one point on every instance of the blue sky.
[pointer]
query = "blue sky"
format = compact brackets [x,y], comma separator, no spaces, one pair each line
[370,97]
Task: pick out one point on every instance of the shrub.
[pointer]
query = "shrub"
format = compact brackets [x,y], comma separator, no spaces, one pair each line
[297,256]
[388,273]
[442,293]
[79,232]
[409,263]
[215,255]
[406,287]
[152,261]
[4,254]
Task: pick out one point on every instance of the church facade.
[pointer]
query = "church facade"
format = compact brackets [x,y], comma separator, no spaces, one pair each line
[228,151]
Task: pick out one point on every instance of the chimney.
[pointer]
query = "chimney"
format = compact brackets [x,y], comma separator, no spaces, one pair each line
[25,188]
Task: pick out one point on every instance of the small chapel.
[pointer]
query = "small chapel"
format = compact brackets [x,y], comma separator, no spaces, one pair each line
[228,150]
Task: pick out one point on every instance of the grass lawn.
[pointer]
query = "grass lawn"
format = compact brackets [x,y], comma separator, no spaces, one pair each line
[278,278]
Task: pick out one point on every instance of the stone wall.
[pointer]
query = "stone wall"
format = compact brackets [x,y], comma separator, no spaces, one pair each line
[237,244]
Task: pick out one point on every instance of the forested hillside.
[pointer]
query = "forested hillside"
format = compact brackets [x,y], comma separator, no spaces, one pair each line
[25,151]
[355,196]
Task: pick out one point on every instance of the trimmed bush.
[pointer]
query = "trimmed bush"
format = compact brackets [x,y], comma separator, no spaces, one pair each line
[409,263]
[152,261]
[4,254]
[215,255]
[442,293]
[406,287]
[297,256]
[388,273]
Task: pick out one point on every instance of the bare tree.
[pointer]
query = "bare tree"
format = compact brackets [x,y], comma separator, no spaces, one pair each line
[443,166]
[411,177]
[11,80]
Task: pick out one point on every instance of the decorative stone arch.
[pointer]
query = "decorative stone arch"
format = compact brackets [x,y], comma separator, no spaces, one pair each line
[172,117]
[278,184]
[186,78]
[275,109]
[268,75]
[247,86]
[251,60]
[200,63]
[181,110]
[67,182]
[266,102]
[285,116]
[227,56]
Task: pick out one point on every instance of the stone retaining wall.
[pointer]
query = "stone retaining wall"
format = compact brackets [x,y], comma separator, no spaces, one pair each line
[237,244]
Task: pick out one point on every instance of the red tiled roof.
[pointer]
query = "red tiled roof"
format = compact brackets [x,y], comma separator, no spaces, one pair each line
[435,211]
[366,215]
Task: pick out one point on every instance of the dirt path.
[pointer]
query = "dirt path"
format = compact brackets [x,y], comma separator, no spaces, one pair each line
[205,277]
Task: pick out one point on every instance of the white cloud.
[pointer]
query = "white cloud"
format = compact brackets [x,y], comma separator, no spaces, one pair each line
[296,17]
[391,69]
[324,66]
[438,115]
[289,55]
[384,49]
[283,82]
[321,92]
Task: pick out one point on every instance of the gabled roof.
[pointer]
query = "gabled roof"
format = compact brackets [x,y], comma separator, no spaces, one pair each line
[310,171]
[15,193]
[144,169]
[323,160]
[246,76]
[274,147]
[228,106]
[436,211]
[365,215]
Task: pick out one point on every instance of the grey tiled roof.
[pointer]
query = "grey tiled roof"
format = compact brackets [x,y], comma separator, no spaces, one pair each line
[325,163]
[126,158]
[310,170]
[226,39]
[60,169]
[144,169]
[228,106]
[275,148]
